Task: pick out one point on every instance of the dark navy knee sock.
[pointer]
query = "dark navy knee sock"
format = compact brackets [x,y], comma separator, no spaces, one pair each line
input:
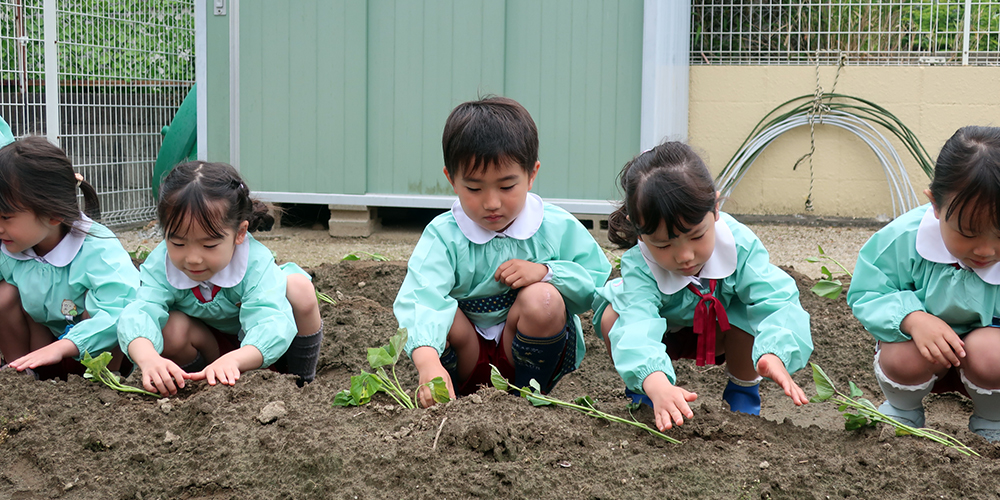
[540,359]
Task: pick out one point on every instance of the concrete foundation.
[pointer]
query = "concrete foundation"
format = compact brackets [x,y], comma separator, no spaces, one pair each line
[353,220]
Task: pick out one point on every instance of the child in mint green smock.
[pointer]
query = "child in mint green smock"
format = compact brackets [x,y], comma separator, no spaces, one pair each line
[927,287]
[695,284]
[501,278]
[213,303]
[66,278]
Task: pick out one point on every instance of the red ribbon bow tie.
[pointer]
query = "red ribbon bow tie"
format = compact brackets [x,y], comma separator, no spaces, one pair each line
[708,311]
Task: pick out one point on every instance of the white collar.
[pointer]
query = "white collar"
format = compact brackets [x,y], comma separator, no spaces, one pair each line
[525,225]
[721,264]
[228,277]
[65,251]
[930,246]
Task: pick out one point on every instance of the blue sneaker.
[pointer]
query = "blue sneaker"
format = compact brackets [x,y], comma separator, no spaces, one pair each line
[742,399]
[988,429]
[638,398]
[912,418]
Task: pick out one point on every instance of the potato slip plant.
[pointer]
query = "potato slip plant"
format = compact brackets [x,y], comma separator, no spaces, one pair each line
[583,404]
[374,256]
[827,286]
[364,386]
[97,369]
[861,412]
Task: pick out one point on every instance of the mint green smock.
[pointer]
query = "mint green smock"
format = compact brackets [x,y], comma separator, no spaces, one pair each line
[256,309]
[892,280]
[759,299]
[100,280]
[446,267]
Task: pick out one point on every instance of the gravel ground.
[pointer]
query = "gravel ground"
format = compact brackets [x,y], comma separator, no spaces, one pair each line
[788,244]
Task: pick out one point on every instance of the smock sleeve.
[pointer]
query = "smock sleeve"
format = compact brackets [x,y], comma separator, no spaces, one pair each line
[423,305]
[882,290]
[265,314]
[580,267]
[146,316]
[106,271]
[779,324]
[637,336]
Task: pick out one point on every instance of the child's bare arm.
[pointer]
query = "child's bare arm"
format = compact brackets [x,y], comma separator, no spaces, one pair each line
[48,355]
[159,374]
[227,369]
[770,366]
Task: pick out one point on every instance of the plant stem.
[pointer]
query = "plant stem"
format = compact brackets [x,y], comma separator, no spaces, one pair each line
[593,412]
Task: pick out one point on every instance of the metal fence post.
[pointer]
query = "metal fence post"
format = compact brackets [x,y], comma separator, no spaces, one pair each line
[50,15]
[965,32]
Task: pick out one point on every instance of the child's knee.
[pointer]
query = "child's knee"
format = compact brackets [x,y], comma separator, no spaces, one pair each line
[541,302]
[176,333]
[9,296]
[300,293]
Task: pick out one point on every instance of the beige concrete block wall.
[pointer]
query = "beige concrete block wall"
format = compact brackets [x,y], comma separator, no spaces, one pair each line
[726,102]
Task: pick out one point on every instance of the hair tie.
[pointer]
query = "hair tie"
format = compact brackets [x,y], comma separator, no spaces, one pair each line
[79,179]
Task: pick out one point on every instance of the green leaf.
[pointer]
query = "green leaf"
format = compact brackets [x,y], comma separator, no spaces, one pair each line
[855,422]
[812,259]
[95,365]
[396,344]
[867,404]
[828,289]
[535,386]
[585,401]
[824,386]
[536,401]
[855,392]
[344,398]
[826,272]
[497,379]
[439,390]
[350,256]
[633,406]
[379,258]
[364,386]
[820,247]
[378,357]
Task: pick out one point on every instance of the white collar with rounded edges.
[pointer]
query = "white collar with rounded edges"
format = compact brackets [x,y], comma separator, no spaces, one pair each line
[721,264]
[65,251]
[930,246]
[525,225]
[228,277]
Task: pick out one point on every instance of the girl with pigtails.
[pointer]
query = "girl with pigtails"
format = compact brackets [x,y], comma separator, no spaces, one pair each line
[213,303]
[695,284]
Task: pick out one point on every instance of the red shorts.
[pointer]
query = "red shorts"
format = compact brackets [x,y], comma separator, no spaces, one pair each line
[490,352]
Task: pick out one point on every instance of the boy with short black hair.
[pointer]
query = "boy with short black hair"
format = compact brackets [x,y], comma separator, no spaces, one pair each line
[501,277]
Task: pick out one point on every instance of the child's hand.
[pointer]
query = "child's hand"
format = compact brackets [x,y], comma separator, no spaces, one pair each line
[158,373]
[935,340]
[429,367]
[670,403]
[162,375]
[225,369]
[48,355]
[770,366]
[517,273]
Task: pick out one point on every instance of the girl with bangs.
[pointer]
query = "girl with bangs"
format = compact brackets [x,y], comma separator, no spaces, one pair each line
[213,303]
[927,287]
[695,284]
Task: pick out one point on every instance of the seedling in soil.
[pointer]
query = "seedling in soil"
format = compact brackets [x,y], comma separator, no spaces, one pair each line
[97,369]
[583,405]
[364,386]
[376,257]
[140,253]
[860,413]
[827,286]
[322,297]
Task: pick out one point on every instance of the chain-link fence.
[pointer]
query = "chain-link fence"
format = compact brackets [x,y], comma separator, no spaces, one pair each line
[100,78]
[874,32]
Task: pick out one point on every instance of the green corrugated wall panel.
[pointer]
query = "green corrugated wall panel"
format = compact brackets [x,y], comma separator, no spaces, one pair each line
[351,96]
[303,77]
[424,58]
[217,67]
[577,67]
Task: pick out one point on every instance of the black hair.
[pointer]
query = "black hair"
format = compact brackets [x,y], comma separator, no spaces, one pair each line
[967,177]
[483,133]
[36,175]
[213,195]
[668,183]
